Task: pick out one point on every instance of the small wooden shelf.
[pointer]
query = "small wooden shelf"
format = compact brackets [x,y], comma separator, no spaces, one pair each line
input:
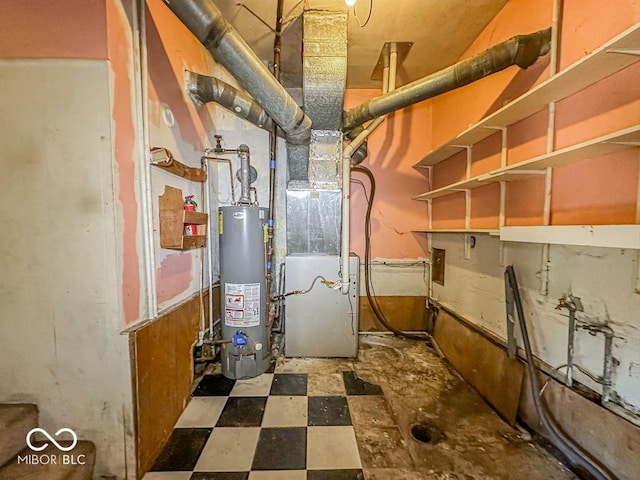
[489,231]
[173,218]
[616,54]
[610,143]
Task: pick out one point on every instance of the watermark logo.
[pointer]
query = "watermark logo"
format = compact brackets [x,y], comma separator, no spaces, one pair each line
[51,439]
[54,458]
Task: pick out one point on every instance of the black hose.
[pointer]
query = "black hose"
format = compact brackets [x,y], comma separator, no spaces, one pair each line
[377,311]
[574,454]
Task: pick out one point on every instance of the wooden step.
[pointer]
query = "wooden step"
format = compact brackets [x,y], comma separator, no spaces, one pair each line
[76,464]
[16,419]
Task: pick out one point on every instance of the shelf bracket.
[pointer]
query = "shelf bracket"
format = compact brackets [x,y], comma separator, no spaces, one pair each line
[633,144]
[468,245]
[624,51]
[638,272]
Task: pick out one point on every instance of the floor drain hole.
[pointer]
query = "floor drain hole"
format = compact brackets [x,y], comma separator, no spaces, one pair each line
[421,433]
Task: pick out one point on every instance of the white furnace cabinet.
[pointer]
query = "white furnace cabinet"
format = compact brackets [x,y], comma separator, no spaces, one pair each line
[323,322]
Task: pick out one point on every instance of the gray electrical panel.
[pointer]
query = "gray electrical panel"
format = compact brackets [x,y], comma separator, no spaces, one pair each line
[323,322]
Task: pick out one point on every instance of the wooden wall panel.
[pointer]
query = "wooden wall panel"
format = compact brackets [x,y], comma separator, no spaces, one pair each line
[485,365]
[404,313]
[610,439]
[162,366]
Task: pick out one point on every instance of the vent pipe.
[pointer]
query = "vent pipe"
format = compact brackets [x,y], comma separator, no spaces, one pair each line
[521,50]
[207,23]
[245,175]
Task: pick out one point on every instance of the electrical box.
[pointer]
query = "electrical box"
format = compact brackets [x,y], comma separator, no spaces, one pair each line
[437,262]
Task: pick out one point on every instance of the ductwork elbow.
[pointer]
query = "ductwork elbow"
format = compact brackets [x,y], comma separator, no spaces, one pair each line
[530,47]
[209,26]
[204,89]
[360,154]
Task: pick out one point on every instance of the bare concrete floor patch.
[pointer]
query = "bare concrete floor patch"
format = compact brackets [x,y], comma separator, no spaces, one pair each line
[473,442]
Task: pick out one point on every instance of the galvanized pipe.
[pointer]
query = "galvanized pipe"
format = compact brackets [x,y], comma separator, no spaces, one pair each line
[207,23]
[574,453]
[245,175]
[607,370]
[521,50]
[204,89]
[359,142]
[273,153]
[571,347]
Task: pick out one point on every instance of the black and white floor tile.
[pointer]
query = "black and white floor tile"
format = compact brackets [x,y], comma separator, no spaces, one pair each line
[272,427]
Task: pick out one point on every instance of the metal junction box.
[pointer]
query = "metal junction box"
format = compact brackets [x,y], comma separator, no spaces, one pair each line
[323,322]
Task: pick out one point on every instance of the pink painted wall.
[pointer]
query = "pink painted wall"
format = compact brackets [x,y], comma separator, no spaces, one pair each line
[47,29]
[594,191]
[123,111]
[173,275]
[394,148]
[172,49]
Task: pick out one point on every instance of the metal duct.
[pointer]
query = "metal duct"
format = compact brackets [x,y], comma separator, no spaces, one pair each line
[207,23]
[204,89]
[324,73]
[324,69]
[521,50]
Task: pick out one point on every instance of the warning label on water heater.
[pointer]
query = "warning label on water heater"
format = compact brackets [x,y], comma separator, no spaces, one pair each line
[241,304]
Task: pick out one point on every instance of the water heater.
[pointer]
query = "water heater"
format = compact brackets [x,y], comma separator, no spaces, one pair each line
[246,351]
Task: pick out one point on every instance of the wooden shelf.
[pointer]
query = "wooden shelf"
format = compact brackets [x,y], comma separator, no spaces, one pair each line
[489,231]
[616,54]
[449,189]
[173,218]
[612,236]
[610,143]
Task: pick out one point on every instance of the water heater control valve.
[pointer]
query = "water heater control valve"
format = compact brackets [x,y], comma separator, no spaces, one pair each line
[239,339]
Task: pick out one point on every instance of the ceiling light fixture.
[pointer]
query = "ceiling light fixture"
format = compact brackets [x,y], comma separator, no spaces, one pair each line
[350,3]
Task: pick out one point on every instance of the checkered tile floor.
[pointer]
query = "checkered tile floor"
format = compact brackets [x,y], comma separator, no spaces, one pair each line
[271,427]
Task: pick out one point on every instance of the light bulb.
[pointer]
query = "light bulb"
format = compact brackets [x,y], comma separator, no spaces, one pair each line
[350,3]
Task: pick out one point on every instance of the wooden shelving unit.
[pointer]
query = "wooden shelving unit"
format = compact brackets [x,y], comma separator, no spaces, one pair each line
[173,218]
[610,143]
[611,57]
[616,54]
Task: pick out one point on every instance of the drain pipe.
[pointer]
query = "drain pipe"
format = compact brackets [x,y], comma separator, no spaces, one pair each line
[208,25]
[346,185]
[347,153]
[521,50]
[569,449]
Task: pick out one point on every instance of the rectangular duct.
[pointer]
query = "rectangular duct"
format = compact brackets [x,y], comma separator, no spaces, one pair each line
[314,198]
[324,69]
[324,76]
[325,159]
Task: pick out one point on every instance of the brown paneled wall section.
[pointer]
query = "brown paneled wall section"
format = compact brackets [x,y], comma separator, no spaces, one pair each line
[162,369]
